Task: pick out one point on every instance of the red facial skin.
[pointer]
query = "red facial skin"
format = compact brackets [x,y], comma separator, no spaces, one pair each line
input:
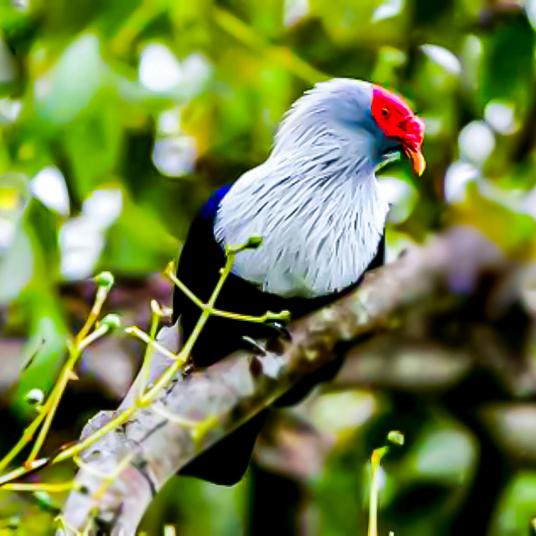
[395,118]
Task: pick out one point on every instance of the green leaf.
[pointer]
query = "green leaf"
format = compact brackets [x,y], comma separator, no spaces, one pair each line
[16,266]
[69,88]
[444,455]
[516,506]
[510,229]
[93,146]
[508,69]
[137,242]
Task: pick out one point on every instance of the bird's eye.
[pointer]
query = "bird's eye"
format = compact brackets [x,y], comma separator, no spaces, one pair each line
[385,112]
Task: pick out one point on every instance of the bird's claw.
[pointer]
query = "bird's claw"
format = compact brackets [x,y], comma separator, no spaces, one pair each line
[281,330]
[254,346]
[188,369]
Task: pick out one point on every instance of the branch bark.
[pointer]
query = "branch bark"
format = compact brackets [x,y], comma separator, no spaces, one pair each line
[157,443]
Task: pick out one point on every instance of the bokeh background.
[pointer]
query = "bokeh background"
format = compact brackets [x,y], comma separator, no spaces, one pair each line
[119,117]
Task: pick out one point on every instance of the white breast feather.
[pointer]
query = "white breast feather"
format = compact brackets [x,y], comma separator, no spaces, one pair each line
[315,201]
[319,232]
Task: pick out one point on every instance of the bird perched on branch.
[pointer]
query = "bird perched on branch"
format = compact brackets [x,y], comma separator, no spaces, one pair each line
[316,204]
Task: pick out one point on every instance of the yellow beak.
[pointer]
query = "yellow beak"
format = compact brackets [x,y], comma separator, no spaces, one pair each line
[418,163]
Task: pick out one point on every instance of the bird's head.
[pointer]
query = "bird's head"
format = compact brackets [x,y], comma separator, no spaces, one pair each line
[353,119]
[400,127]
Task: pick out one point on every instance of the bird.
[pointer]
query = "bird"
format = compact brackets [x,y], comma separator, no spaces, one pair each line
[316,203]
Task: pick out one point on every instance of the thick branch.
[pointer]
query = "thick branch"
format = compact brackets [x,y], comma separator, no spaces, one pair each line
[230,392]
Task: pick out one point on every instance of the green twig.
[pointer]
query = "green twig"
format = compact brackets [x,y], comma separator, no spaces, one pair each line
[145,370]
[48,487]
[394,437]
[47,411]
[266,317]
[375,465]
[67,374]
[135,331]
[144,397]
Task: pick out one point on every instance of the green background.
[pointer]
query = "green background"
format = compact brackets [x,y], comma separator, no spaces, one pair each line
[119,117]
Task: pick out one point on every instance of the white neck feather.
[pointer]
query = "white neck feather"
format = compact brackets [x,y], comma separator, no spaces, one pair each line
[320,214]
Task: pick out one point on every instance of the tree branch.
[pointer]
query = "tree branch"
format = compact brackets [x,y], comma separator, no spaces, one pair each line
[197,411]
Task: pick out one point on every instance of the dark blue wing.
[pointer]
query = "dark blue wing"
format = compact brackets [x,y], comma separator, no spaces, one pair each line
[199,268]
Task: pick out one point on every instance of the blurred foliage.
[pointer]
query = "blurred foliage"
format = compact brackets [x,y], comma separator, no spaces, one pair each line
[118,118]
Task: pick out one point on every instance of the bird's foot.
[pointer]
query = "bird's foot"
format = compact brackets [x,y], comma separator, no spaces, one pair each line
[281,330]
[188,369]
[253,346]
